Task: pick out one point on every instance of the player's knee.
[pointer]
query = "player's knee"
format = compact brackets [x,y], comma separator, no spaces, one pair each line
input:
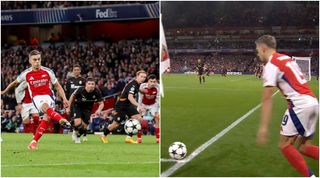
[77,122]
[282,145]
[26,121]
[45,107]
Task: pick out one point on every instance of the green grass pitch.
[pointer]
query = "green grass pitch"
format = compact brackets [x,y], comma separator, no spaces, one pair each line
[194,113]
[59,156]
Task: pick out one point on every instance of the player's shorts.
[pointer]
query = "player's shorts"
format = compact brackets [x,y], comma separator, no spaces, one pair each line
[154,108]
[39,100]
[200,73]
[121,111]
[83,114]
[300,121]
[27,109]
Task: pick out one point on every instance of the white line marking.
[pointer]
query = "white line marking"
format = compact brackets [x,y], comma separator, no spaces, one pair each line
[69,164]
[201,148]
[244,78]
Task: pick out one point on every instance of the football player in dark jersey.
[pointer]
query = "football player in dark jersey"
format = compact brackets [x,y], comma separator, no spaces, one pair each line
[83,100]
[127,106]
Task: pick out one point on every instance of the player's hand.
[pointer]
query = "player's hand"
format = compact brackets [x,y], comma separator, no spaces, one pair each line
[2,92]
[140,108]
[19,107]
[68,110]
[98,112]
[262,136]
[65,103]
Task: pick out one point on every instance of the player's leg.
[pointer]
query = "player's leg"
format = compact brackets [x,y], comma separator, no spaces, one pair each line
[156,126]
[35,122]
[46,105]
[39,132]
[293,155]
[203,79]
[85,122]
[118,116]
[200,78]
[309,121]
[77,127]
[133,114]
[307,148]
[291,127]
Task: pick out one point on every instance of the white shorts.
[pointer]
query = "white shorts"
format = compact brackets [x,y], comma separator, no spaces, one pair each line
[39,100]
[152,108]
[27,109]
[300,121]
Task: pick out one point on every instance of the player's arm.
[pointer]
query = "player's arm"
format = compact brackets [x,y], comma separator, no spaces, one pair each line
[101,104]
[70,102]
[132,100]
[10,86]
[266,111]
[270,76]
[61,93]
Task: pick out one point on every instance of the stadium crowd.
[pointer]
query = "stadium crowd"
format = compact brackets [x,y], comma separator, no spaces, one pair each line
[9,5]
[239,14]
[111,64]
[247,44]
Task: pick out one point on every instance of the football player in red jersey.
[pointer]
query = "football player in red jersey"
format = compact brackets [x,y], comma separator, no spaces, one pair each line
[149,100]
[39,79]
[299,121]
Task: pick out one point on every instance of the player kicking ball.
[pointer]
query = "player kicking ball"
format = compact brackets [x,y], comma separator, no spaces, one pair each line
[82,101]
[299,121]
[149,100]
[39,79]
[126,105]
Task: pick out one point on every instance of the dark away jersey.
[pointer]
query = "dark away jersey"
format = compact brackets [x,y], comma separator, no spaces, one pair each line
[85,100]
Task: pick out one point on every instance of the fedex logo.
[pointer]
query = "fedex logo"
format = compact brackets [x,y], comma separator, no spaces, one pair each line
[107,13]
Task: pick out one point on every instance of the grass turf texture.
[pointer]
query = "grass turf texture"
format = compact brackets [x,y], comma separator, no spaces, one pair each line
[59,156]
[194,113]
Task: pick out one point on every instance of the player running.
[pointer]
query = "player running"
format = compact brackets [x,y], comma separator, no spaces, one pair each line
[299,121]
[72,84]
[149,100]
[126,105]
[82,100]
[200,70]
[39,79]
[26,107]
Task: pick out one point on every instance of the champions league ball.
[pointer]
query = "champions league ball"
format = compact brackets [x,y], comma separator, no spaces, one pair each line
[132,126]
[178,150]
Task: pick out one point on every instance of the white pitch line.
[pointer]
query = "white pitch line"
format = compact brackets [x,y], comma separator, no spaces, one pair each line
[201,148]
[70,164]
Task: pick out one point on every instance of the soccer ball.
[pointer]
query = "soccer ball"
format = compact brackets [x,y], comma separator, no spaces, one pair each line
[178,150]
[132,126]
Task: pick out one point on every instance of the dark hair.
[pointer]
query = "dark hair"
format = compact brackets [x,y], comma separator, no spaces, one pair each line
[90,79]
[268,40]
[152,76]
[76,65]
[34,52]
[140,72]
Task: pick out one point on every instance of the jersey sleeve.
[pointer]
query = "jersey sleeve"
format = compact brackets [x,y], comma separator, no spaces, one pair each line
[22,77]
[99,97]
[53,78]
[77,92]
[20,92]
[132,89]
[270,74]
